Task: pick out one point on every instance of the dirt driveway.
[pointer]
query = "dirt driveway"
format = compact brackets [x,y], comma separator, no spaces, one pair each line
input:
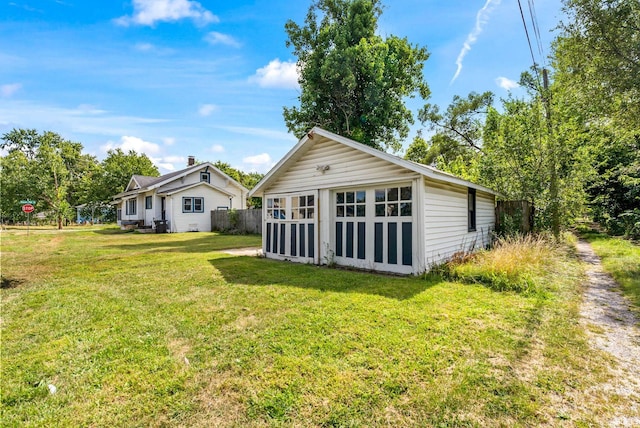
[614,329]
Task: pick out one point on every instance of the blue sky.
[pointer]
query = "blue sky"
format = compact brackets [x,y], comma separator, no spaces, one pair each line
[173,78]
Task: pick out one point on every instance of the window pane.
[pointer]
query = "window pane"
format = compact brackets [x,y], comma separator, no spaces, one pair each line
[269,202]
[350,211]
[186,205]
[392,194]
[309,212]
[360,210]
[340,211]
[340,198]
[405,193]
[379,210]
[198,205]
[361,196]
[350,197]
[380,195]
[269,213]
[310,200]
[294,202]
[295,213]
[405,209]
[392,210]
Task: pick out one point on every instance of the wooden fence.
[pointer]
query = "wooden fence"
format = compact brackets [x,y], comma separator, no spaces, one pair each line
[514,216]
[237,221]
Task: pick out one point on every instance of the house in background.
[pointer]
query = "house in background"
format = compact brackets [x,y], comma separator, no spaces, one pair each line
[334,200]
[181,201]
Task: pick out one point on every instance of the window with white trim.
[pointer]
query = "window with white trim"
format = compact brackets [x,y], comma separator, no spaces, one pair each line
[302,207]
[192,205]
[277,208]
[351,204]
[148,202]
[393,202]
[131,207]
[205,176]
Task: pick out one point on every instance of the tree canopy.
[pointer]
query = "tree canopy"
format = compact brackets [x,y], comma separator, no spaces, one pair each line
[354,82]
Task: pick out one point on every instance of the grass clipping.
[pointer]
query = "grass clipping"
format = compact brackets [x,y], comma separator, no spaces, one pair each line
[524,264]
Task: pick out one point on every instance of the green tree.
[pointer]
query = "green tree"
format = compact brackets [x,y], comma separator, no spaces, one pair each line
[52,165]
[354,82]
[248,180]
[115,172]
[597,58]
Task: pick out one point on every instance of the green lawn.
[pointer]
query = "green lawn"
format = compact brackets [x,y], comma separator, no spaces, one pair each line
[621,259]
[156,330]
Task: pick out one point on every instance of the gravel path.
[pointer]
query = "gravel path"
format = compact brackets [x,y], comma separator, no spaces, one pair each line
[606,309]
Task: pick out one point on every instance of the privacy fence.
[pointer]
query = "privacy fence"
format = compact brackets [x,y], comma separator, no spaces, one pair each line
[237,221]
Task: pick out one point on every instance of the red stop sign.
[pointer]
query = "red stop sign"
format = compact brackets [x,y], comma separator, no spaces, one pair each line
[27,208]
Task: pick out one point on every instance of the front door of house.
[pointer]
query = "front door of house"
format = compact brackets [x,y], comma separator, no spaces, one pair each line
[291,230]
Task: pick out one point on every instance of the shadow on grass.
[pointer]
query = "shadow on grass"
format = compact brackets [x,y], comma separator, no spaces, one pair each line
[201,242]
[261,271]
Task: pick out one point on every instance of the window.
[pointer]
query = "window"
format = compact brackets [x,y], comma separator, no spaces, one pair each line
[277,208]
[302,207]
[205,176]
[471,201]
[148,202]
[119,214]
[351,204]
[393,202]
[131,207]
[192,205]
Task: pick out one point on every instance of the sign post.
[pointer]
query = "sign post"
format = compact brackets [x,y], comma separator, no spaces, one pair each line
[28,208]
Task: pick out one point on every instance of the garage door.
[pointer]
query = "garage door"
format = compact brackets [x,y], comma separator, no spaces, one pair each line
[291,230]
[373,228]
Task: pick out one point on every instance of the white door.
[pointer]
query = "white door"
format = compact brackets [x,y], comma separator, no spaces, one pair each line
[374,228]
[291,230]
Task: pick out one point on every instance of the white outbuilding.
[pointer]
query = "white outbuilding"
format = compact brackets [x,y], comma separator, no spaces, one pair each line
[334,200]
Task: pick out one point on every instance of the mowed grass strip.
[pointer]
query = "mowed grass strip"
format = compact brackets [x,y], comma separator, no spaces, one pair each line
[151,330]
[621,259]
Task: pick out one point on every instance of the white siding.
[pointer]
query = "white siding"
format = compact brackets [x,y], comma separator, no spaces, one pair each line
[446,221]
[185,222]
[347,167]
[216,180]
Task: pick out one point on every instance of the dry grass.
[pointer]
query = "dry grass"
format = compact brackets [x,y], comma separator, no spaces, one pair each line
[524,264]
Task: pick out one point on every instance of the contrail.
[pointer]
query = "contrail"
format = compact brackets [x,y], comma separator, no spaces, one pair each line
[482,17]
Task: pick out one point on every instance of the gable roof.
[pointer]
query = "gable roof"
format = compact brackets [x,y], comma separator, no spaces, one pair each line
[143,183]
[307,142]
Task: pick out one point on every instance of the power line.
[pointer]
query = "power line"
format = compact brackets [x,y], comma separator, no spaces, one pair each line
[526,31]
[536,29]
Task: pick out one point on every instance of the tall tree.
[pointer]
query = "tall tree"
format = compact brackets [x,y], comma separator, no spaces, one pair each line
[597,58]
[354,82]
[52,164]
[116,171]
[457,141]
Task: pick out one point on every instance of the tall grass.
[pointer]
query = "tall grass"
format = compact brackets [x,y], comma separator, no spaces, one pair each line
[523,264]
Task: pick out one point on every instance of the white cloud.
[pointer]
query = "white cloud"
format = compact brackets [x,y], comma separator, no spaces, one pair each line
[149,12]
[258,163]
[482,17]
[9,89]
[277,74]
[506,84]
[215,38]
[169,141]
[207,109]
[217,148]
[136,144]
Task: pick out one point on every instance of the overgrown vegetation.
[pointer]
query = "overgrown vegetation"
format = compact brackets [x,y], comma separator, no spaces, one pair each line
[531,264]
[620,258]
[165,329]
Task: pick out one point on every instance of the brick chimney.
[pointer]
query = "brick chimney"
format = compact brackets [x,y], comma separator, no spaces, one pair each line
[191,161]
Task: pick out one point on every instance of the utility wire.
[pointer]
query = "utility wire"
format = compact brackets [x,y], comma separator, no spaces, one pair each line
[536,29]
[526,31]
